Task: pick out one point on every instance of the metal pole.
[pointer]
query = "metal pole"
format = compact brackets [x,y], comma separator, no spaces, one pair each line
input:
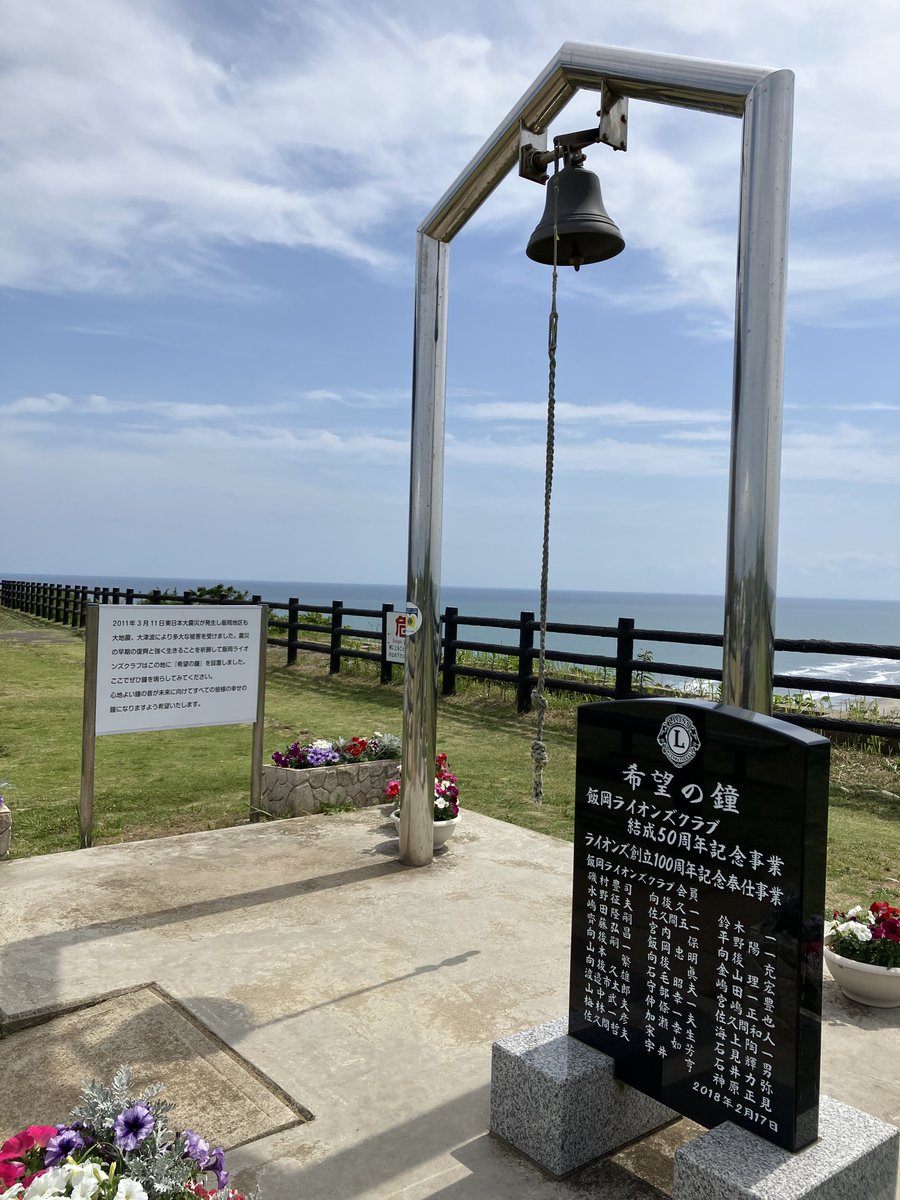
[88,729]
[259,725]
[748,654]
[426,491]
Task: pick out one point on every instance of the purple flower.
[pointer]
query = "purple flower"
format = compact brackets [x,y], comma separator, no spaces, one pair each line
[196,1147]
[216,1164]
[319,757]
[132,1126]
[66,1142]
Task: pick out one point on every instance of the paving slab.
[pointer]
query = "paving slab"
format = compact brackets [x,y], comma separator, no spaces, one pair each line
[213,1090]
[366,991]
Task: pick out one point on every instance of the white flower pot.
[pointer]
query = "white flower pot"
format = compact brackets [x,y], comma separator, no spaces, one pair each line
[443,830]
[865,983]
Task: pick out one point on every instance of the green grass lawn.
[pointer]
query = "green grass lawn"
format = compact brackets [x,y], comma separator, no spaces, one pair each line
[152,784]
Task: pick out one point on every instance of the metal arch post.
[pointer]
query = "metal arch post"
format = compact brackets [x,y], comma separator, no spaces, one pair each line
[426,494]
[764,99]
[754,485]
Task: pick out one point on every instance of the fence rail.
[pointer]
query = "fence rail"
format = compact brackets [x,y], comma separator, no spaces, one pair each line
[623,673]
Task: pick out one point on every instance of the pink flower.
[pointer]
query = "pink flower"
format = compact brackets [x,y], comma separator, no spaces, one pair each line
[392,791]
[10,1173]
[16,1146]
[41,1133]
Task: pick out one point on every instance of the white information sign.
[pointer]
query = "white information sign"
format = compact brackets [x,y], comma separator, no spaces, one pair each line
[395,637]
[173,666]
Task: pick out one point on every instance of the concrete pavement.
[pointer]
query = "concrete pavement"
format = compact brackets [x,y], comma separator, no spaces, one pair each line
[345,984]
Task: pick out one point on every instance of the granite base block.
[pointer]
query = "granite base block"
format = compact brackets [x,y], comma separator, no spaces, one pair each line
[557,1100]
[855,1158]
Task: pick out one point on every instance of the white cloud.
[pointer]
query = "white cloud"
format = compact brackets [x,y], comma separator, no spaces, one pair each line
[623,412]
[149,139]
[698,435]
[846,454]
[601,456]
[53,402]
[136,156]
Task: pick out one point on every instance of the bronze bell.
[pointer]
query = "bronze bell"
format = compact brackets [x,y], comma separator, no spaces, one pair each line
[587,234]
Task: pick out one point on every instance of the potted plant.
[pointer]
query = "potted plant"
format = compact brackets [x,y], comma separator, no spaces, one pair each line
[115,1146]
[862,950]
[445,810]
[307,775]
[5,825]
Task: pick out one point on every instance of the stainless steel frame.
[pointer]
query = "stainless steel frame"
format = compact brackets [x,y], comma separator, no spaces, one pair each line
[764,100]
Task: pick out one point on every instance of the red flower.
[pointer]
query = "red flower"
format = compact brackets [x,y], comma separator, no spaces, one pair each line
[392,791]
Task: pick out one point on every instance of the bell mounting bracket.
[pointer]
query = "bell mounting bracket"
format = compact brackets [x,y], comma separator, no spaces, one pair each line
[612,131]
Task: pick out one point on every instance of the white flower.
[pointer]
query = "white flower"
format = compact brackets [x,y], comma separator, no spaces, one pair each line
[830,927]
[12,1192]
[52,1183]
[854,912]
[321,744]
[129,1189]
[84,1179]
[862,932]
[439,803]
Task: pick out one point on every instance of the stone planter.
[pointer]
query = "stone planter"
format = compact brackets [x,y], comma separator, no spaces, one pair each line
[290,793]
[878,987]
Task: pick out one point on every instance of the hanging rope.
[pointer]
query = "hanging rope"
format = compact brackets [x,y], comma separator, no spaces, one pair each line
[539,755]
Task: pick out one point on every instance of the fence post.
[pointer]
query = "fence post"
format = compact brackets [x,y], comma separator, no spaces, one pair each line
[624,657]
[82,606]
[156,596]
[117,595]
[292,630]
[129,595]
[526,646]
[106,595]
[387,668]
[57,603]
[337,621]
[190,597]
[68,612]
[451,633]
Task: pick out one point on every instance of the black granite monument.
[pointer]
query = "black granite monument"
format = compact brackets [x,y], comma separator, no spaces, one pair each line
[700,842]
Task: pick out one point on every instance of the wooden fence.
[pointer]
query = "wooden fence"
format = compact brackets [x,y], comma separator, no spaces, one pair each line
[623,673]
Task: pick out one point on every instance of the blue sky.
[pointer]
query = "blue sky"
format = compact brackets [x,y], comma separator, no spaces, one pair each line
[206,279]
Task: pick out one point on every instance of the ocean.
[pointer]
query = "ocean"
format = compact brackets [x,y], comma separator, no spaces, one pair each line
[872,621]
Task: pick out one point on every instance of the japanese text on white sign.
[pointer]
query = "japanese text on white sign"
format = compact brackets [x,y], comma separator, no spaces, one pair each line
[166,666]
